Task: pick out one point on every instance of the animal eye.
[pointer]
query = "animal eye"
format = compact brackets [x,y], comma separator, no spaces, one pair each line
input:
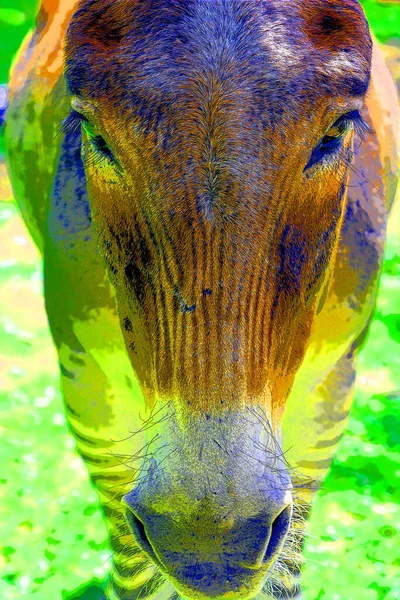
[338,130]
[74,122]
[329,146]
[99,144]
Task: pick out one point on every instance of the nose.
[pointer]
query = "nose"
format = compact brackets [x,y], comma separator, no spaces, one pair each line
[215,549]
[252,543]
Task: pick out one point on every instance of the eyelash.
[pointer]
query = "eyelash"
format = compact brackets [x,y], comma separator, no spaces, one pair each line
[329,145]
[354,118]
[72,124]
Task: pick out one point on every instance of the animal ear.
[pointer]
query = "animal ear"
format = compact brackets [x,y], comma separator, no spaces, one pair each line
[334,26]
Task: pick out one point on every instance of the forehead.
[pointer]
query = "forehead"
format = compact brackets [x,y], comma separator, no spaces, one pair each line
[276,51]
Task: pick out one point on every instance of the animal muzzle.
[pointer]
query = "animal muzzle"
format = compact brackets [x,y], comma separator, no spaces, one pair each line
[213,512]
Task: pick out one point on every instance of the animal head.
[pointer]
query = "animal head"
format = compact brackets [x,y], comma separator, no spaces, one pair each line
[217,139]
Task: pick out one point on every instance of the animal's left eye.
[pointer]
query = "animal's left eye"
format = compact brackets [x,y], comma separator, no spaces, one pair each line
[338,130]
[330,144]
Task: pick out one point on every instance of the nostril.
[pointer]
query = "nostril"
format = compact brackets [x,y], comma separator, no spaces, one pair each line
[279,529]
[139,533]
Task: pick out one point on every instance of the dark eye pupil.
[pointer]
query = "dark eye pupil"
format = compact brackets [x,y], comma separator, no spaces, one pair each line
[330,142]
[102,146]
[98,142]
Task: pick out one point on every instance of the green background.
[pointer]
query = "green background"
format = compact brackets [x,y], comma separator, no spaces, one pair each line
[52,538]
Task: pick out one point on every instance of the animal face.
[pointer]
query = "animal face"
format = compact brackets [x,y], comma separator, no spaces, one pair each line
[217,139]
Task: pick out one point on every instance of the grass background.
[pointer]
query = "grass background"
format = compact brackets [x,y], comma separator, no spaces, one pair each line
[52,538]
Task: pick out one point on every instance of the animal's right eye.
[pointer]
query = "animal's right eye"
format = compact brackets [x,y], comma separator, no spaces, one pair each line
[74,121]
[98,142]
